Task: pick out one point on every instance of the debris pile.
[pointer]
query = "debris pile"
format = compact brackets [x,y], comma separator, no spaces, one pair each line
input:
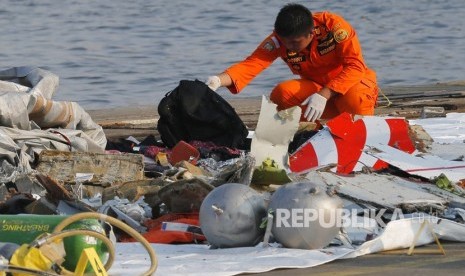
[321,183]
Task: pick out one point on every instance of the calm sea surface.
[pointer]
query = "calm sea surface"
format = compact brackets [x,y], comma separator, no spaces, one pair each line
[111,53]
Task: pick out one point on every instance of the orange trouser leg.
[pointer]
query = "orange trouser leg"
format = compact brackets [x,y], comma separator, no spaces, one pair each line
[360,99]
[292,93]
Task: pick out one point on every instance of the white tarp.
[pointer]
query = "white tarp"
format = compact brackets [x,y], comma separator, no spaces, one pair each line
[33,80]
[31,121]
[199,260]
[445,130]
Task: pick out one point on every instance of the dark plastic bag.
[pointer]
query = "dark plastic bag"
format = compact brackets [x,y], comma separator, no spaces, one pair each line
[194,112]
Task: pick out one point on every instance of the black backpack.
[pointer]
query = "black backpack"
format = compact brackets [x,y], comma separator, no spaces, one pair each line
[194,112]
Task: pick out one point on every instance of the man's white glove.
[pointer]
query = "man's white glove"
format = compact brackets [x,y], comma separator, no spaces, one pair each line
[213,82]
[315,107]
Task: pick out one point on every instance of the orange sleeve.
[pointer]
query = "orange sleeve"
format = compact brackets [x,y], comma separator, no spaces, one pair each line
[245,71]
[349,52]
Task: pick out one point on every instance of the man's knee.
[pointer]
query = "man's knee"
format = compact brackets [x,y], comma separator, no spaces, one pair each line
[357,103]
[292,92]
[279,95]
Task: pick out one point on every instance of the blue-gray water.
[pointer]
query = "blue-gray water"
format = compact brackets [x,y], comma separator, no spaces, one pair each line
[111,53]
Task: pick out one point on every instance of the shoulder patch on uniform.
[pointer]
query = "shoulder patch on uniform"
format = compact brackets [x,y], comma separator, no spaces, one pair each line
[269,46]
[340,35]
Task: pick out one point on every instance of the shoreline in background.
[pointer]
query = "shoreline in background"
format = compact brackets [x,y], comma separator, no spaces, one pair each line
[406,101]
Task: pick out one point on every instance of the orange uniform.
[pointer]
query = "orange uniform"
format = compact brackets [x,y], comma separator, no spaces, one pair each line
[332,59]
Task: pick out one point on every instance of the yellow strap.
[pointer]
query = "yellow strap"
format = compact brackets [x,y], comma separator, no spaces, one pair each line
[162,158]
[89,255]
[385,97]
[417,235]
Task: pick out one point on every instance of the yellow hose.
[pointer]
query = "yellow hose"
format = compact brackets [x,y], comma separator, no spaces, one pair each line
[73,232]
[119,224]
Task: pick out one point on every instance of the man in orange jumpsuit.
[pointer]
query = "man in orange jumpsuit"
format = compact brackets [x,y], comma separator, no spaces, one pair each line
[323,49]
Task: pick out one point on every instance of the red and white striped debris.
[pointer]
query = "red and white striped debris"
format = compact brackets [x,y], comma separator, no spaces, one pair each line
[343,140]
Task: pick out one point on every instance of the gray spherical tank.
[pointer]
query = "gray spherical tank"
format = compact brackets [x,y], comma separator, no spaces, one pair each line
[231,214]
[305,216]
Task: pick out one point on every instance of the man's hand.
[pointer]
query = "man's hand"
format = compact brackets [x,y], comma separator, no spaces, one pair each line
[213,82]
[315,107]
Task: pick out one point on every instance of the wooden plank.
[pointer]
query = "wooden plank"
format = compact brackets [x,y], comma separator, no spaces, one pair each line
[108,169]
[413,95]
[130,124]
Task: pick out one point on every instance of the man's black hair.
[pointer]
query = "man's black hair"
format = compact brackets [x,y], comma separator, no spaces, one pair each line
[293,20]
